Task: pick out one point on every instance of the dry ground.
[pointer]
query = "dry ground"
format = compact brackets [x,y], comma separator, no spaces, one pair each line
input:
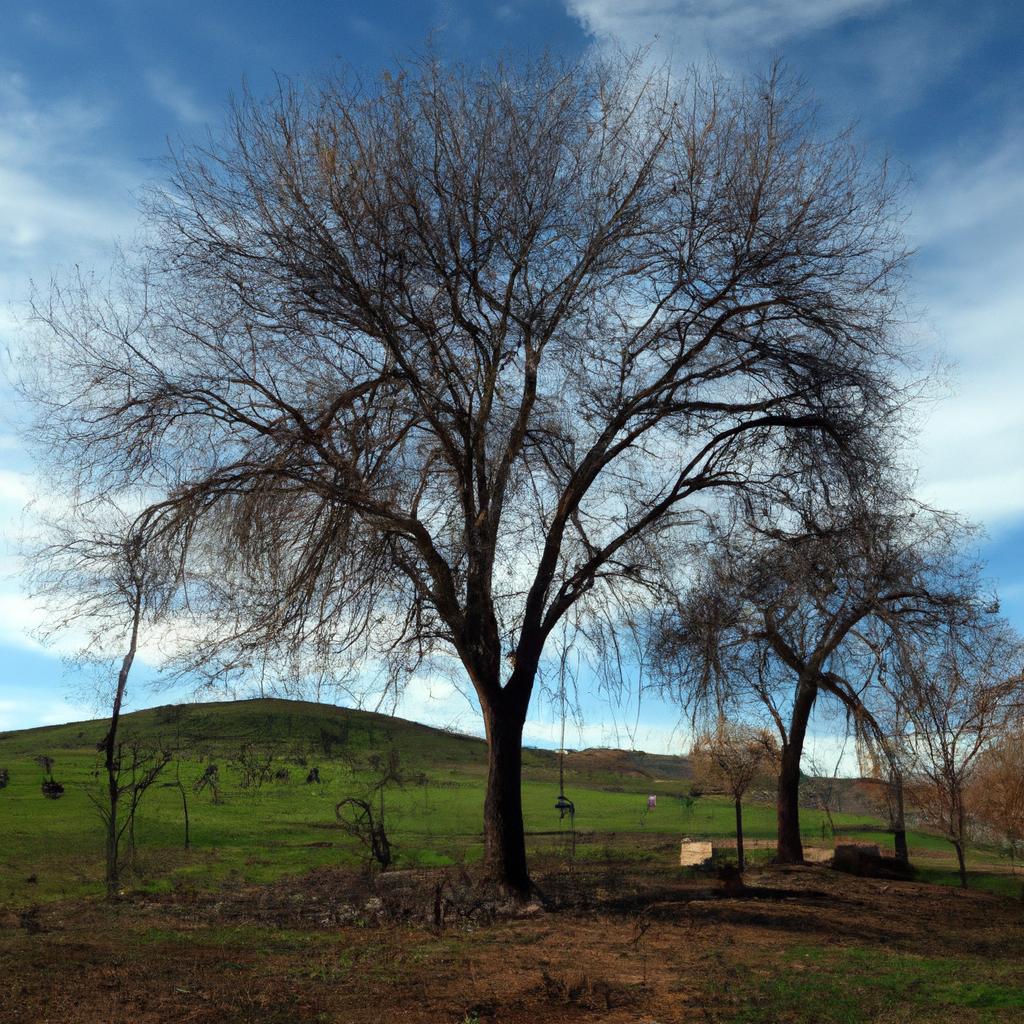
[609,945]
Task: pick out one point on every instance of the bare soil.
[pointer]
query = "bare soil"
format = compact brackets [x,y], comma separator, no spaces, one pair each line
[613,943]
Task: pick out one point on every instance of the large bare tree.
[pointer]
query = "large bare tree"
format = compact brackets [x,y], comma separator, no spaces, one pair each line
[416,369]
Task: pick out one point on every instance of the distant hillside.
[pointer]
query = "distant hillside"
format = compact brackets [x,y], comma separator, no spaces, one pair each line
[331,731]
[224,725]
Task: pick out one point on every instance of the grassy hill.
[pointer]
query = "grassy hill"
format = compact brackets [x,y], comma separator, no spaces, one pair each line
[321,730]
[283,824]
[282,723]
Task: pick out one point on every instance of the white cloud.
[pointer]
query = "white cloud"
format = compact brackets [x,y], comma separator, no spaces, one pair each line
[968,223]
[690,29]
[441,702]
[19,619]
[178,98]
[28,711]
[63,199]
[15,488]
[61,196]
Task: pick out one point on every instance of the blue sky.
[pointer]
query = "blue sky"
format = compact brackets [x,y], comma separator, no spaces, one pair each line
[90,93]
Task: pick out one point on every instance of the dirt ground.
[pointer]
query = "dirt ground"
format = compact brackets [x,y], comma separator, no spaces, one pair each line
[613,944]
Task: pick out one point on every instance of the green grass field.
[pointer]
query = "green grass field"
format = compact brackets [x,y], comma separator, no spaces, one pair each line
[53,848]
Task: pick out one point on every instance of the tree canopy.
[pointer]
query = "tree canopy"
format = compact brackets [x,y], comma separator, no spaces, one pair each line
[416,369]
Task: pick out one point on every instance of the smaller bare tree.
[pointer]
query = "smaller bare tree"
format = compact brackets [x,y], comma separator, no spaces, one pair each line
[134,767]
[254,763]
[361,820]
[960,695]
[52,789]
[93,574]
[782,618]
[885,750]
[823,790]
[729,758]
[997,793]
[209,779]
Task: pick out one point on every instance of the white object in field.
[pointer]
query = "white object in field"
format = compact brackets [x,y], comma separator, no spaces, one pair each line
[693,854]
[652,802]
[816,854]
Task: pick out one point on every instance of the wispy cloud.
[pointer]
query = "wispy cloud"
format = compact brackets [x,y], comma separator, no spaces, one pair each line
[178,98]
[968,223]
[63,199]
[60,195]
[691,28]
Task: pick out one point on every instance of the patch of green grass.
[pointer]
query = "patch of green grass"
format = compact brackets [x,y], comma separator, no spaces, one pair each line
[53,849]
[998,882]
[830,985]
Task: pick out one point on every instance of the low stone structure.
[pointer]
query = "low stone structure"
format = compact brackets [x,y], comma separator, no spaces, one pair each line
[693,854]
[817,854]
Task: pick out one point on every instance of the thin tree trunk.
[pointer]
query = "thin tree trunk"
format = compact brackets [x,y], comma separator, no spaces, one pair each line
[112,756]
[113,872]
[504,835]
[961,863]
[184,809]
[739,834]
[790,849]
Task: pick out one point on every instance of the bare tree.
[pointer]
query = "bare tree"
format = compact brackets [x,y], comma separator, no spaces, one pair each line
[960,693]
[729,758]
[130,771]
[997,791]
[357,815]
[885,747]
[92,573]
[420,368]
[782,620]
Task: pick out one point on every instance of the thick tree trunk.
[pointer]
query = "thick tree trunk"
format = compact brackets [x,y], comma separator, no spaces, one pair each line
[504,835]
[739,834]
[958,843]
[790,849]
[899,826]
[900,845]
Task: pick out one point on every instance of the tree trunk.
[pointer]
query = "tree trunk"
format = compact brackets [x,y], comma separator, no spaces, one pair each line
[790,849]
[899,825]
[504,835]
[961,863]
[739,834]
[112,753]
[900,845]
[113,868]
[958,843]
[184,810]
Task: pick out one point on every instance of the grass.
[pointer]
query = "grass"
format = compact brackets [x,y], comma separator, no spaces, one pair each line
[53,849]
[855,986]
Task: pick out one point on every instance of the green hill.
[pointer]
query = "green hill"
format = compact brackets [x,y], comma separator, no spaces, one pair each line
[327,731]
[287,725]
